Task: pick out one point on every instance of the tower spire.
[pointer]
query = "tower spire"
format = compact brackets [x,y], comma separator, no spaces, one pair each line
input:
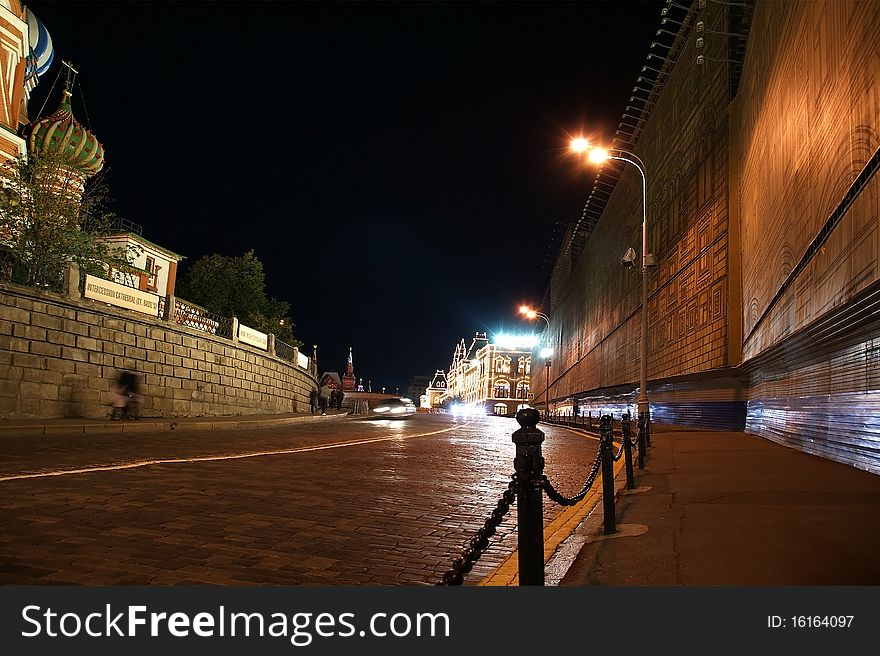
[69,79]
[348,380]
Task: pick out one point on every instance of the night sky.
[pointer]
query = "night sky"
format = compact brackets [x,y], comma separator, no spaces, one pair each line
[399,169]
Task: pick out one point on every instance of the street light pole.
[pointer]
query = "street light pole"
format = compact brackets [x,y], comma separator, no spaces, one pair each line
[546,352]
[643,345]
[599,155]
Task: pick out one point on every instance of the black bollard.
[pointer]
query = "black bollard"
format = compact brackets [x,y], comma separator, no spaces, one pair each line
[607,447]
[529,467]
[591,420]
[642,442]
[626,430]
[648,424]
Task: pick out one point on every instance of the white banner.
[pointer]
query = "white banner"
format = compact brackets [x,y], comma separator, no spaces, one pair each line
[253,337]
[302,360]
[129,298]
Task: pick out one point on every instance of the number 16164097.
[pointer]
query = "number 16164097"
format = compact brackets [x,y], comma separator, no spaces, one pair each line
[810,622]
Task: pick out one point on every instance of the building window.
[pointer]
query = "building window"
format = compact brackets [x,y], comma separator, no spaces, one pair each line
[500,409]
[522,391]
[502,390]
[502,365]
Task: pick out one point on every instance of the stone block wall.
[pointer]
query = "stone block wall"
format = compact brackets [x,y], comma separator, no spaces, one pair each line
[59,357]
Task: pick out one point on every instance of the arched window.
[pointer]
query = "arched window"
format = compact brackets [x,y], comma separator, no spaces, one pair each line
[522,391]
[502,365]
[502,389]
[500,409]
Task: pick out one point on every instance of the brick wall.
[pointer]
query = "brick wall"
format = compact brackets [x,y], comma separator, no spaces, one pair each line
[58,358]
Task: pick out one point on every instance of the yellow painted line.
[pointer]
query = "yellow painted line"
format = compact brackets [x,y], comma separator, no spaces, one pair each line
[234,456]
[555,533]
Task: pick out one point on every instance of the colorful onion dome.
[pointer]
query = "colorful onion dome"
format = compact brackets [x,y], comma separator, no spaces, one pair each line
[60,133]
[41,52]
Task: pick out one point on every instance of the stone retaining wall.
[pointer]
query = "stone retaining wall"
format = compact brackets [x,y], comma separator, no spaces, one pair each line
[58,358]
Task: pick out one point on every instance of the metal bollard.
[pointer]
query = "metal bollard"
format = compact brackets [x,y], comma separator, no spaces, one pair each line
[648,425]
[529,467]
[591,420]
[642,441]
[607,447]
[626,429]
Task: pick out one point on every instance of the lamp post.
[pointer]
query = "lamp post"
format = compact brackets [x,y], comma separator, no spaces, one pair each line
[546,352]
[599,155]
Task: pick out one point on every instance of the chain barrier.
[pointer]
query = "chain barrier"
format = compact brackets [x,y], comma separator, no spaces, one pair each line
[477,544]
[554,495]
[529,480]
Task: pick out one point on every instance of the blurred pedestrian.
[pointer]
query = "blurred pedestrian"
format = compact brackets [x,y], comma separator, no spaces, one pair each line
[324,398]
[334,394]
[313,400]
[126,396]
[339,396]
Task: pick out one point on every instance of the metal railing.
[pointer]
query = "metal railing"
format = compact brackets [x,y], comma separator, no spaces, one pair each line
[284,351]
[194,316]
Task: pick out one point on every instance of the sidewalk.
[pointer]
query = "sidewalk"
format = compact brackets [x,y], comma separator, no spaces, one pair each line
[25,427]
[718,508]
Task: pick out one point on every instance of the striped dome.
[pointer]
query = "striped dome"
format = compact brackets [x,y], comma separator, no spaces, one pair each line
[60,133]
[41,51]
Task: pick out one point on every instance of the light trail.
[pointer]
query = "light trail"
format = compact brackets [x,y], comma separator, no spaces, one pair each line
[234,456]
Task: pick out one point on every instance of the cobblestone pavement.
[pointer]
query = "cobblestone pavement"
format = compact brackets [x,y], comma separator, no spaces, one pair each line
[321,503]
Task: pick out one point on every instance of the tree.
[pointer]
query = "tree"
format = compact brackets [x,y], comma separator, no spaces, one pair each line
[46,224]
[236,286]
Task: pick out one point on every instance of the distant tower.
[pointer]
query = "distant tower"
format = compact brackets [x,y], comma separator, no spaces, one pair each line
[348,380]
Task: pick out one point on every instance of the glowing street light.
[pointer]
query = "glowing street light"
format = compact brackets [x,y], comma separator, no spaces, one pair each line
[597,156]
[546,352]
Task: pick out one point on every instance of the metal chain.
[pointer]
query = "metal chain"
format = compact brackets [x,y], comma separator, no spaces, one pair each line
[570,501]
[477,544]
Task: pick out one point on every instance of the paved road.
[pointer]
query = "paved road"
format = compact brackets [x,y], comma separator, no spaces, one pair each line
[320,503]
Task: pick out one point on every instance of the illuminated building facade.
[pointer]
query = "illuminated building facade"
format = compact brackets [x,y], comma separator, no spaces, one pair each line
[25,55]
[436,390]
[492,376]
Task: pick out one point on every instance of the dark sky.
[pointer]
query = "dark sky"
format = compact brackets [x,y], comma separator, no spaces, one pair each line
[399,169]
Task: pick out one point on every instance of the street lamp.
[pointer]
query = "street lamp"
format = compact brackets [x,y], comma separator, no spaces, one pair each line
[597,156]
[546,352]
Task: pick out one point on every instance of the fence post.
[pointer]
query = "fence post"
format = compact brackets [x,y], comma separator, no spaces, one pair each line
[626,430]
[529,467]
[270,344]
[71,281]
[170,302]
[234,330]
[607,446]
